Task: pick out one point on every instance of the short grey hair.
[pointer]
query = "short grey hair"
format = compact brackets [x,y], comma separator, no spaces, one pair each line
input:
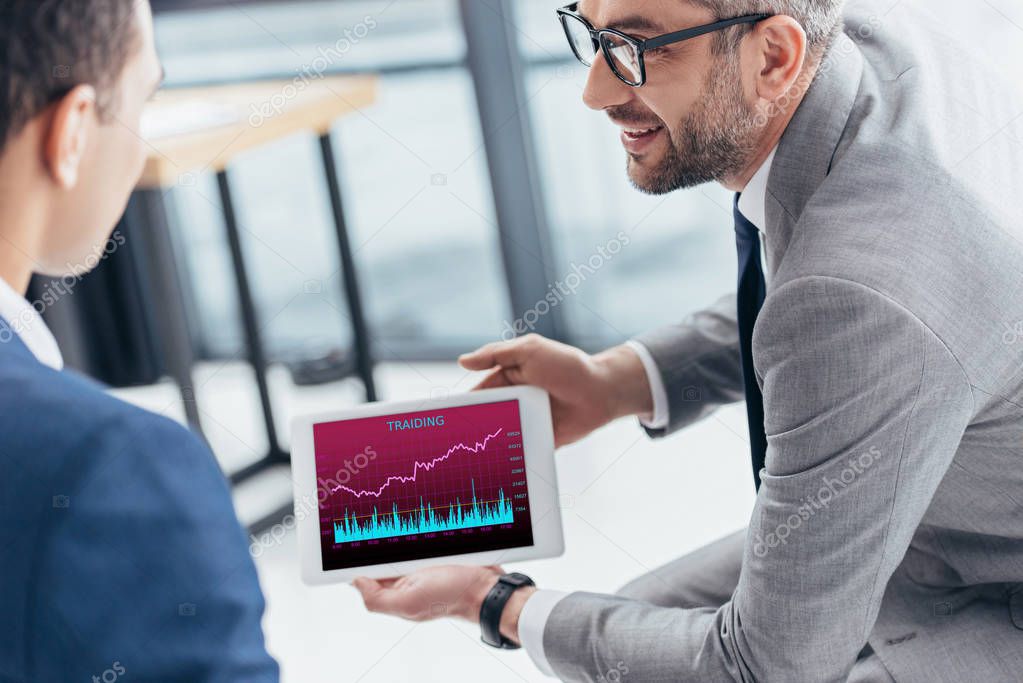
[820,19]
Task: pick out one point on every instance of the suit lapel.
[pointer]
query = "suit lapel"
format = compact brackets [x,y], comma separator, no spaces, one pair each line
[808,145]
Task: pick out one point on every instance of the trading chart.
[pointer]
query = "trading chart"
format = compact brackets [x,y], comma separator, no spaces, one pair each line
[421,484]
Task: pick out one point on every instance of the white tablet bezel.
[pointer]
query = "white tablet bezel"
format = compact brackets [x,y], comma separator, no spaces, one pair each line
[541,481]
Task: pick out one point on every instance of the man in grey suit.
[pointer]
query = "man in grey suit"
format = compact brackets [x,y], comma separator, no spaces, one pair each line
[875,335]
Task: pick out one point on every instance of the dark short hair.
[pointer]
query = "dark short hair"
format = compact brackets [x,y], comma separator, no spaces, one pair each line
[48,47]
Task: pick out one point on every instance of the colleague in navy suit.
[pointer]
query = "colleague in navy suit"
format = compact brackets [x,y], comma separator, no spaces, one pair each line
[122,555]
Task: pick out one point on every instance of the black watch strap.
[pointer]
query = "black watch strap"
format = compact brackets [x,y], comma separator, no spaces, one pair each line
[493,607]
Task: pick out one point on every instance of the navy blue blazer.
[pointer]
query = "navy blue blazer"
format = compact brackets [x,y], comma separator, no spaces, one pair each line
[122,554]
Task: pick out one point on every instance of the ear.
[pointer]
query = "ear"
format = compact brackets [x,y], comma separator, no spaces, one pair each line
[780,45]
[73,118]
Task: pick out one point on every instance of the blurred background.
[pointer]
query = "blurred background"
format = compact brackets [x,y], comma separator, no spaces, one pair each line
[317,269]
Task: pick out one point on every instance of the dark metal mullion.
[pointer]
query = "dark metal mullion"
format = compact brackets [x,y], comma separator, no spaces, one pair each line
[173,324]
[187,282]
[250,319]
[360,331]
[496,67]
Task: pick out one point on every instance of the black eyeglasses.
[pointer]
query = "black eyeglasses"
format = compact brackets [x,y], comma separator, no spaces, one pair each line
[624,54]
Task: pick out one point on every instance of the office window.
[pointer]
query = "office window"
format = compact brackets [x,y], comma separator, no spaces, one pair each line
[413,174]
[416,184]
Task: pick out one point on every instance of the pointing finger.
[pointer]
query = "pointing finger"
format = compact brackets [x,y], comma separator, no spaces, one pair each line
[495,379]
[503,353]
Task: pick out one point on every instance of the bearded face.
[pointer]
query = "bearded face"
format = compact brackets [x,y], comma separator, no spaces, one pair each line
[713,140]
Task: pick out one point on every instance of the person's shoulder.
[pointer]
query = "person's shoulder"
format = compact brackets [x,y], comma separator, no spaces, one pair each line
[66,403]
[927,241]
[58,426]
[896,217]
[930,104]
[121,523]
[918,189]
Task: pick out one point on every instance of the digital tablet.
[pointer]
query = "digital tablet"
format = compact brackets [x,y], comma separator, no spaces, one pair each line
[385,488]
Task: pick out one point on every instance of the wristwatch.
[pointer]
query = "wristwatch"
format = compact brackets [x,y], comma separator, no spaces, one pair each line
[493,606]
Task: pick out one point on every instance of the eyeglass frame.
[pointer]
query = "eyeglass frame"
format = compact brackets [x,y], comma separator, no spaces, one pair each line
[642,45]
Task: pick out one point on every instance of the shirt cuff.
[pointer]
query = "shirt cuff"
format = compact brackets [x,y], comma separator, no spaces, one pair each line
[657,390]
[532,621]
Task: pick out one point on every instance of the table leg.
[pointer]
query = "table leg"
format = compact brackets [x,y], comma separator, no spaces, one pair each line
[363,354]
[251,331]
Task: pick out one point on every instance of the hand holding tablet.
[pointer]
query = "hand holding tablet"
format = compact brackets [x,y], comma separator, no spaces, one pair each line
[468,479]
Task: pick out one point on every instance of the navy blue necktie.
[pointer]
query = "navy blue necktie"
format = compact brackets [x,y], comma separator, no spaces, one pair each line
[749,298]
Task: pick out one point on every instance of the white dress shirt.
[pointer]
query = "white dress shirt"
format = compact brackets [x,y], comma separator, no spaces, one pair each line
[537,609]
[29,326]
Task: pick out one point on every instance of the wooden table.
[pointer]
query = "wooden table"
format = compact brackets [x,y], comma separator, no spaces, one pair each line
[228,120]
[264,111]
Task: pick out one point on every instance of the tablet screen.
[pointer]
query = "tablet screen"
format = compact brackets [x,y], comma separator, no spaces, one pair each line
[422,484]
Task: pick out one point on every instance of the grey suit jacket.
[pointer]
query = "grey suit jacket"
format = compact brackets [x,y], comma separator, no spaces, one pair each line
[890,355]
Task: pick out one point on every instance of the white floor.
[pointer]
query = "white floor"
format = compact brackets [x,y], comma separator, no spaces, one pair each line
[629,504]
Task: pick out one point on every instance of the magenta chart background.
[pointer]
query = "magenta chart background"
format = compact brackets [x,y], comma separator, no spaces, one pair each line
[365,463]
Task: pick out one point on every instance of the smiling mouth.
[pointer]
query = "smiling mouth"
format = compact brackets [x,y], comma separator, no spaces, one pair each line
[640,141]
[639,133]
